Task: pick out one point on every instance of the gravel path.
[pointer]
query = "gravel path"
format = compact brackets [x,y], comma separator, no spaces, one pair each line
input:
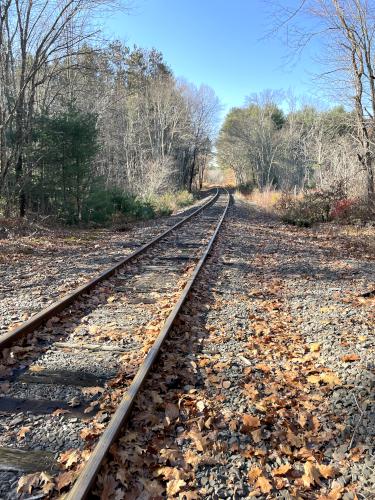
[265,388]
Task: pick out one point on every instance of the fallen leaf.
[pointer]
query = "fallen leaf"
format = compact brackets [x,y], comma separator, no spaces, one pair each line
[282,470]
[199,441]
[64,479]
[174,486]
[348,358]
[59,411]
[335,493]
[302,419]
[47,482]
[70,457]
[264,484]
[188,495]
[36,368]
[200,405]
[171,411]
[109,487]
[226,384]
[92,391]
[330,379]
[314,347]
[294,440]
[327,471]
[253,474]
[314,379]
[257,435]
[22,432]
[28,482]
[250,422]
[263,367]
[311,475]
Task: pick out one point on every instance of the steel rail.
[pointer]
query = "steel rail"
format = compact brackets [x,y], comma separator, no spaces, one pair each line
[45,314]
[85,481]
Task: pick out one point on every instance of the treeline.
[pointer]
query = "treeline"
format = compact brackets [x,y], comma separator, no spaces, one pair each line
[301,149]
[86,130]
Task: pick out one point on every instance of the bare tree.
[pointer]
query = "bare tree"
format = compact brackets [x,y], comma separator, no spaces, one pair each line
[346,29]
[34,38]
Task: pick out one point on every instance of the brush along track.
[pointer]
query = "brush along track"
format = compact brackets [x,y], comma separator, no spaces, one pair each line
[80,362]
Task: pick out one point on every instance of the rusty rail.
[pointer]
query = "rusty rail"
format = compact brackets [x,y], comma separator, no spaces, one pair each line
[45,314]
[85,481]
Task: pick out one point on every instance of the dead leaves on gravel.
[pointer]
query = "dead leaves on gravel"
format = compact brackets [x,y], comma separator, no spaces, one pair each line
[290,422]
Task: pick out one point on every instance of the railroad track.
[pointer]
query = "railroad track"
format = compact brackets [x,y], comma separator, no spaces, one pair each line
[71,373]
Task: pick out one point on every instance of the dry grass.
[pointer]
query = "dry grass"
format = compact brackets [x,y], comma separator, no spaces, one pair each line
[265,198]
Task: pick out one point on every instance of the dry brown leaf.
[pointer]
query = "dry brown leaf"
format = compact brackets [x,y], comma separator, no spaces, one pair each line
[311,475]
[64,479]
[250,391]
[171,411]
[22,432]
[28,482]
[174,486]
[92,391]
[356,454]
[59,411]
[257,435]
[70,457]
[330,379]
[87,433]
[264,484]
[302,419]
[226,384]
[253,474]
[327,471]
[294,440]
[47,482]
[192,458]
[199,441]
[314,347]
[313,379]
[335,493]
[250,422]
[154,488]
[348,358]
[109,487]
[282,470]
[263,367]
[36,368]
[280,482]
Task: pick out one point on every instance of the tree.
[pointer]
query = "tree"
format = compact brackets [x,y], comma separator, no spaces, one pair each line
[64,147]
[34,38]
[346,30]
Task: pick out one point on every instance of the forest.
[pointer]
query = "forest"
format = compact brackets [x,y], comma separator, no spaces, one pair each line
[88,130]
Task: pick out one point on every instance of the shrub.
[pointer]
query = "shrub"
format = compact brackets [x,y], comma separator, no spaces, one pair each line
[342,208]
[112,205]
[245,188]
[315,206]
[169,202]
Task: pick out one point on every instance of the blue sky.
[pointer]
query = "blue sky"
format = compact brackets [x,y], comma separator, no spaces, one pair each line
[216,42]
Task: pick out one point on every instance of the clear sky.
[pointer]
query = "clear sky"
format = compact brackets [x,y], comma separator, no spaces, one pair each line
[216,42]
